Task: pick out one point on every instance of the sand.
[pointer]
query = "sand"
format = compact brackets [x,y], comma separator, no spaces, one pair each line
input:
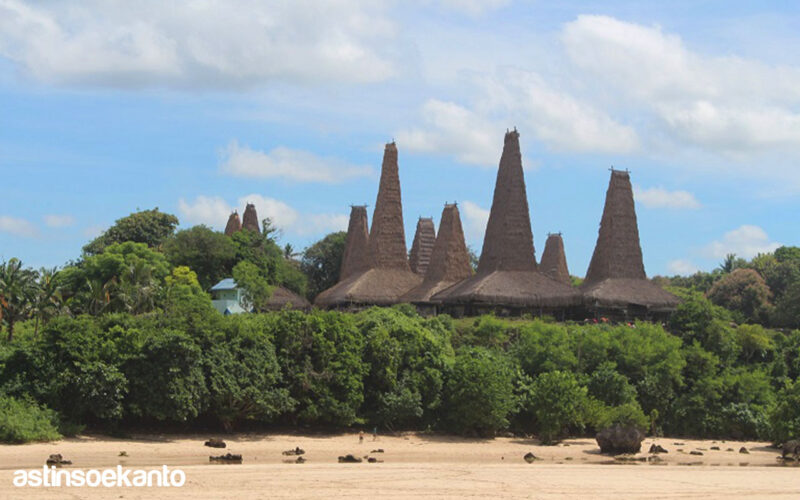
[413,465]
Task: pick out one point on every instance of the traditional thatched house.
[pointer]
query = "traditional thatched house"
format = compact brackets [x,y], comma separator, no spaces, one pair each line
[233,225]
[449,262]
[356,251]
[507,280]
[554,260]
[616,284]
[420,255]
[282,298]
[389,275]
[250,219]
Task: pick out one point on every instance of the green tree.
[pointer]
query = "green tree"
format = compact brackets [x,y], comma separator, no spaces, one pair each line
[609,386]
[17,293]
[255,287]
[745,292]
[150,227]
[322,261]
[47,301]
[479,392]
[784,418]
[556,402]
[208,253]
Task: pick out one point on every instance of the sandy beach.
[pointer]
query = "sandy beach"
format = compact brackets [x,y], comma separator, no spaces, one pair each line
[413,465]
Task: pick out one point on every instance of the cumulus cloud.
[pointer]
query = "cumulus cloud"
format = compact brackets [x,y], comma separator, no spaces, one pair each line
[55,220]
[17,226]
[662,198]
[681,267]
[215,43]
[745,241]
[214,211]
[720,104]
[475,220]
[288,164]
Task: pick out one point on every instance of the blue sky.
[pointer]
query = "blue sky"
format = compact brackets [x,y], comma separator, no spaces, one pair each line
[106,107]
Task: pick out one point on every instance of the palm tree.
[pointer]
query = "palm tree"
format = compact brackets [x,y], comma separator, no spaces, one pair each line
[99,294]
[17,289]
[138,288]
[47,301]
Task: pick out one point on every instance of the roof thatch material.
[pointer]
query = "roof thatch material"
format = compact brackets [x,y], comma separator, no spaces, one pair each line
[421,249]
[389,275]
[449,262]
[356,250]
[507,272]
[616,276]
[387,238]
[250,219]
[233,225]
[554,260]
[282,297]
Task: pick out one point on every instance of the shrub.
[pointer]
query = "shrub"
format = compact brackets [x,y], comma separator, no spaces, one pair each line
[556,402]
[22,421]
[784,419]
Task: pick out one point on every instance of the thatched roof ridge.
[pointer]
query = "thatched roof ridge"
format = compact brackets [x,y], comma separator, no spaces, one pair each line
[282,297]
[449,260]
[250,219]
[234,224]
[616,276]
[508,243]
[356,251]
[375,286]
[424,238]
[507,272]
[554,260]
[387,238]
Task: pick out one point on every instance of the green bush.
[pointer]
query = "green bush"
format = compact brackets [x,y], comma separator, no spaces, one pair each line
[557,403]
[22,421]
[784,419]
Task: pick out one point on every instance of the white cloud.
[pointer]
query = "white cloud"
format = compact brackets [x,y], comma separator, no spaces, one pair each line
[287,163]
[745,241]
[661,198]
[54,220]
[681,267]
[725,105]
[454,130]
[474,7]
[475,220]
[215,43]
[17,226]
[214,211]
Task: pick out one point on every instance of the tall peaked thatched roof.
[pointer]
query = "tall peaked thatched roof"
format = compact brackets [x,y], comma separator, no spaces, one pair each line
[233,225]
[356,250]
[282,297]
[387,238]
[389,275]
[616,276]
[449,261]
[421,249]
[250,219]
[554,260]
[507,274]
[508,243]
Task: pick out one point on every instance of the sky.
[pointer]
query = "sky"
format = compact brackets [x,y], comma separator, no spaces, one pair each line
[199,107]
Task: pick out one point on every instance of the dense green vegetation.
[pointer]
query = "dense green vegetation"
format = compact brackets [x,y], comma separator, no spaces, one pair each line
[127,335]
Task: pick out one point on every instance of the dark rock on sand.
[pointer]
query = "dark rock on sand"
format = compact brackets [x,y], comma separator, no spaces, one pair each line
[695,452]
[657,448]
[715,448]
[791,448]
[228,458]
[379,450]
[529,457]
[349,459]
[619,439]
[57,460]
[215,443]
[296,451]
[744,450]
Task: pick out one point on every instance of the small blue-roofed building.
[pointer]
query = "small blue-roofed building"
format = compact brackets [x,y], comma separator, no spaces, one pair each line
[226,297]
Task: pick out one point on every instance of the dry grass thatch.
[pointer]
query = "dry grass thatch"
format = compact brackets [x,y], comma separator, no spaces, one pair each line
[282,297]
[449,260]
[250,219]
[233,225]
[422,248]
[616,274]
[356,251]
[389,275]
[387,238]
[554,260]
[507,272]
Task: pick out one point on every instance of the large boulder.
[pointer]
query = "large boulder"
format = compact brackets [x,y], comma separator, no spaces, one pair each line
[619,439]
[792,449]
